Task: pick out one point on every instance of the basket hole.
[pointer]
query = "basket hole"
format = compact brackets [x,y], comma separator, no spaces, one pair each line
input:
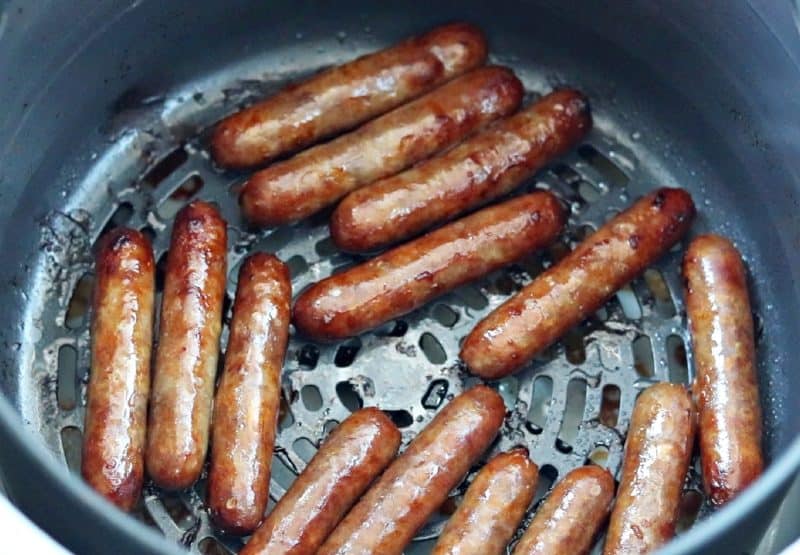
[540,402]
[676,360]
[71,440]
[598,456]
[629,303]
[346,353]
[437,391]
[227,308]
[547,477]
[609,407]
[445,315]
[505,285]
[573,411]
[312,399]
[658,287]
[433,350]
[149,232]
[66,389]
[177,511]
[173,203]
[285,416]
[212,546]
[329,426]
[120,217]
[643,356]
[165,167]
[606,167]
[398,328]
[308,356]
[297,266]
[401,418]
[508,388]
[566,174]
[689,508]
[304,449]
[473,297]
[589,191]
[78,307]
[349,396]
[275,241]
[557,250]
[574,348]
[326,247]
[161,271]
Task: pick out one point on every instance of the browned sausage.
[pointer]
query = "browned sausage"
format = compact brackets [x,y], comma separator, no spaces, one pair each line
[342,97]
[492,508]
[349,460]
[578,285]
[390,513]
[297,188]
[484,167]
[407,277]
[248,396]
[119,381]
[658,450]
[188,347]
[569,519]
[726,387]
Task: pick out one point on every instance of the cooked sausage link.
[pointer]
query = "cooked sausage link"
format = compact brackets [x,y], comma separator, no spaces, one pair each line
[342,97]
[726,388]
[347,462]
[578,285]
[658,450]
[483,167]
[410,275]
[119,380]
[188,347]
[492,508]
[390,513]
[567,521]
[248,396]
[297,188]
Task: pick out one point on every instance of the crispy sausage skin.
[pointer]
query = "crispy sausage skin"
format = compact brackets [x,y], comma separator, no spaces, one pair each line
[248,396]
[569,519]
[297,188]
[578,285]
[407,277]
[726,388]
[485,166]
[658,450]
[390,513]
[188,347]
[119,381]
[349,460]
[345,96]
[492,508]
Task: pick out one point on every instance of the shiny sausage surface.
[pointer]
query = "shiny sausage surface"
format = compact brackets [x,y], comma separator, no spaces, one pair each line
[297,188]
[408,276]
[248,396]
[484,167]
[390,513]
[726,387]
[492,508]
[119,380]
[658,451]
[344,96]
[577,285]
[188,347]
[352,456]
[567,521]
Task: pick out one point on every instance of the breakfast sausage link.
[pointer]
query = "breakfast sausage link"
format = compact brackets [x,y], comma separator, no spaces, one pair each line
[248,396]
[353,455]
[297,188]
[492,508]
[578,285]
[345,96]
[410,275]
[390,513]
[119,381]
[483,167]
[188,347]
[569,519]
[658,450]
[726,387]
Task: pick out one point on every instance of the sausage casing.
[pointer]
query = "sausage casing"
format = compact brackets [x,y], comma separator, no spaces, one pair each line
[390,513]
[119,381]
[726,388]
[297,188]
[342,97]
[483,167]
[188,347]
[492,508]
[408,276]
[658,450]
[567,521]
[349,460]
[578,285]
[248,396]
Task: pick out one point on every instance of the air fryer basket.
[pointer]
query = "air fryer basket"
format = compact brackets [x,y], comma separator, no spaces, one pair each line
[112,131]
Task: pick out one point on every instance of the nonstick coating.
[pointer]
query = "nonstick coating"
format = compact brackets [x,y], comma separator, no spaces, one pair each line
[711,95]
